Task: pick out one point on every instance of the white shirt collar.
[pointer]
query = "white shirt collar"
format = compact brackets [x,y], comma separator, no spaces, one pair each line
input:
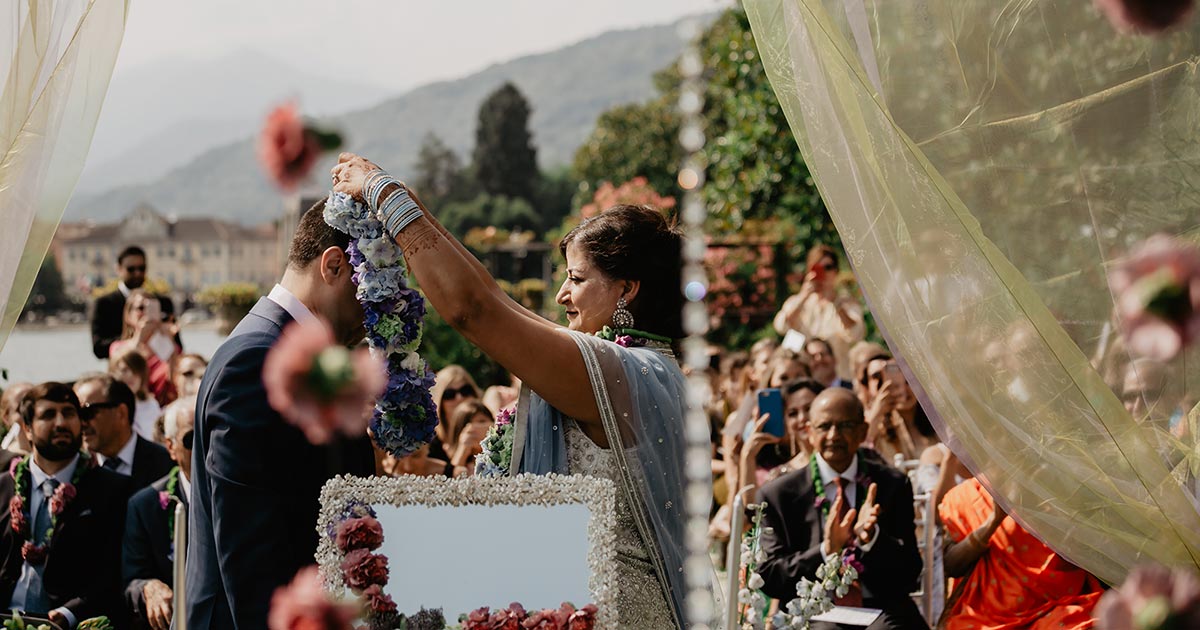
[186,484]
[290,303]
[828,474]
[125,455]
[40,476]
[124,289]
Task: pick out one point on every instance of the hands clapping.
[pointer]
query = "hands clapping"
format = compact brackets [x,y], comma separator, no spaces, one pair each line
[856,524]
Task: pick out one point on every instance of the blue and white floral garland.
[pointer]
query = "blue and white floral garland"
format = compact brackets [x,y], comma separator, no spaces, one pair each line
[393,314]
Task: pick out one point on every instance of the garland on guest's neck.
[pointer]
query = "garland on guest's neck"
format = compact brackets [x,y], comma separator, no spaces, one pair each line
[20,517]
[819,485]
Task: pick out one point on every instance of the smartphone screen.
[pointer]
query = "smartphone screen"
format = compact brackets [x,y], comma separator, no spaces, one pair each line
[770,402]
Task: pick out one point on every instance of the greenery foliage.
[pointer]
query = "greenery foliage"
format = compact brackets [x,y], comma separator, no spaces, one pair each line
[505,159]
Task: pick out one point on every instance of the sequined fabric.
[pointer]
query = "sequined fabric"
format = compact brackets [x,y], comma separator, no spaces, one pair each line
[640,601]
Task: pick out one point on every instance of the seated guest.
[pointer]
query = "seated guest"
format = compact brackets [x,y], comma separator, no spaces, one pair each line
[1012,579]
[417,463]
[452,387]
[108,407]
[469,425]
[131,368]
[897,425]
[187,373]
[823,364]
[65,566]
[10,413]
[868,505]
[149,546]
[145,331]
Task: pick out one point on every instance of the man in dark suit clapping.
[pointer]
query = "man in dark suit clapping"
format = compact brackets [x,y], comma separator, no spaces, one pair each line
[148,550]
[108,406]
[63,560]
[869,506]
[256,479]
[108,316]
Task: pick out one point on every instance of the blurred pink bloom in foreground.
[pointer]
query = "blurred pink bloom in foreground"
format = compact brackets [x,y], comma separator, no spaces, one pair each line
[320,386]
[1145,16]
[288,147]
[1152,597]
[1157,292]
[304,605]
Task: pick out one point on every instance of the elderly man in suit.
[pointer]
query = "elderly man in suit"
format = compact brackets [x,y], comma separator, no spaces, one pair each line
[107,411]
[69,571]
[108,316]
[254,514]
[870,506]
[148,557]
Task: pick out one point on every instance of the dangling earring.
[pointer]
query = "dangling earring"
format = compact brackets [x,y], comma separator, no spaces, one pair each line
[622,318]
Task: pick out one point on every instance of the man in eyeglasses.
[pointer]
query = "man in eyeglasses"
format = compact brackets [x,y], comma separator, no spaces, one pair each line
[65,566]
[844,499]
[148,552]
[108,315]
[107,407]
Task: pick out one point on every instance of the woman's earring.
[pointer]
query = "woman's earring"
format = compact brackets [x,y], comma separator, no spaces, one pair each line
[622,318]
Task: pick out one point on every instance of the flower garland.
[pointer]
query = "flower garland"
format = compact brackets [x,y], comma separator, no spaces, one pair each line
[165,499]
[633,338]
[834,578]
[566,617]
[357,535]
[750,597]
[393,314]
[35,552]
[497,445]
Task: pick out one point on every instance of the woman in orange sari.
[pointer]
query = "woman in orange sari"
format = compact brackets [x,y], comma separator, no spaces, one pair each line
[1007,578]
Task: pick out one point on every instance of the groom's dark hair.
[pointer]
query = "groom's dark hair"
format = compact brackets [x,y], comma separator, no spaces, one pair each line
[313,236]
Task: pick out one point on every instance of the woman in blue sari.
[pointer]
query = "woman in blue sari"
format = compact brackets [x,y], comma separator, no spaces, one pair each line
[603,396]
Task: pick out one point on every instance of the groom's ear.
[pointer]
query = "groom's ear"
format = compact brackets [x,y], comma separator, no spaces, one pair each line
[335,265]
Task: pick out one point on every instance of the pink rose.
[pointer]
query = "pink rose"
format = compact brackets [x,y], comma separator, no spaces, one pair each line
[164,500]
[362,568]
[1145,16]
[1157,290]
[359,533]
[1153,595]
[378,601]
[318,385]
[304,605]
[16,516]
[12,466]
[286,150]
[478,619]
[583,619]
[61,498]
[543,620]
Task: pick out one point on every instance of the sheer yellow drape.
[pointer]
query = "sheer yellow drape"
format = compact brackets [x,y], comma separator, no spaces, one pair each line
[56,58]
[986,162]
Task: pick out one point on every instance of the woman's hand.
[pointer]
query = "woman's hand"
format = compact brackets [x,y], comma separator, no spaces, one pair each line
[759,440]
[144,330]
[469,443]
[350,175]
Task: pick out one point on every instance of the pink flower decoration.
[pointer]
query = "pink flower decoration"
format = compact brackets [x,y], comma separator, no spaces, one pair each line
[624,341]
[1152,596]
[583,619]
[1157,291]
[378,601]
[16,515]
[362,568]
[359,533]
[505,417]
[61,498]
[286,150]
[543,620]
[1145,16]
[320,386]
[164,500]
[304,605]
[12,466]
[33,554]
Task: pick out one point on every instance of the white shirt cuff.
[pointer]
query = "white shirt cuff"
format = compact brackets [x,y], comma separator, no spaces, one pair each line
[66,612]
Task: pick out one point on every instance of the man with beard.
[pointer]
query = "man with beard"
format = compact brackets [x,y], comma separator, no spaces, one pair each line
[108,318]
[63,560]
[843,498]
[108,406]
[256,480]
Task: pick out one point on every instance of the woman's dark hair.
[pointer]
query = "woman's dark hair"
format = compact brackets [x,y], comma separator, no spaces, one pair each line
[637,243]
[817,253]
[791,387]
[52,391]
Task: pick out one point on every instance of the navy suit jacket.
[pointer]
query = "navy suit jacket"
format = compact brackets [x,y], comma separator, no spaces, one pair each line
[793,530]
[256,486]
[83,566]
[150,462]
[146,550]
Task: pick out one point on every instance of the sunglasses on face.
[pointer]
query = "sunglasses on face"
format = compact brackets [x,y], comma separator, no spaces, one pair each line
[466,391]
[136,269]
[829,266]
[88,411]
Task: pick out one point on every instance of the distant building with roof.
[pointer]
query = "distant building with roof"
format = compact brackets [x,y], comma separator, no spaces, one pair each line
[190,254]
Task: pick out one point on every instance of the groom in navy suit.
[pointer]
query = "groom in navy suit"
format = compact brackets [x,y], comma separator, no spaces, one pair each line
[257,480]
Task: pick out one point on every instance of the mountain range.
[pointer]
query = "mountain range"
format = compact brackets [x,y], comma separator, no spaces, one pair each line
[219,175]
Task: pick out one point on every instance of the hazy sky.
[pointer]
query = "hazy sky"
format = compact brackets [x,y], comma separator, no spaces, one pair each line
[397,44]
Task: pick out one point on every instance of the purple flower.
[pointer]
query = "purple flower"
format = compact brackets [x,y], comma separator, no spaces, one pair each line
[624,341]
[164,500]
[821,502]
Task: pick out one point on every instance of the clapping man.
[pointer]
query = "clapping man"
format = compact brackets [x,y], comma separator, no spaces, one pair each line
[843,498]
[149,552]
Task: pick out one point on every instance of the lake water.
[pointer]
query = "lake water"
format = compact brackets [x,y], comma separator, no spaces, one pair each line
[61,353]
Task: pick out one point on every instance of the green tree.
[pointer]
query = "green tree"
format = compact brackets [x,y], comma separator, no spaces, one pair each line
[638,140]
[440,175]
[505,160]
[48,294]
[441,345]
[489,210]
[555,192]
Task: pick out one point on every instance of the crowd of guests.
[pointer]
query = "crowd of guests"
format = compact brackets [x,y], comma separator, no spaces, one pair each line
[839,470]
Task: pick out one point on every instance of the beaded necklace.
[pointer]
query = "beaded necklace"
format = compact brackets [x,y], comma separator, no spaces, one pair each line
[20,514]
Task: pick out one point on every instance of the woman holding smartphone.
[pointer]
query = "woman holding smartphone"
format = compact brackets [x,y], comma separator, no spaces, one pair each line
[822,309]
[153,338]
